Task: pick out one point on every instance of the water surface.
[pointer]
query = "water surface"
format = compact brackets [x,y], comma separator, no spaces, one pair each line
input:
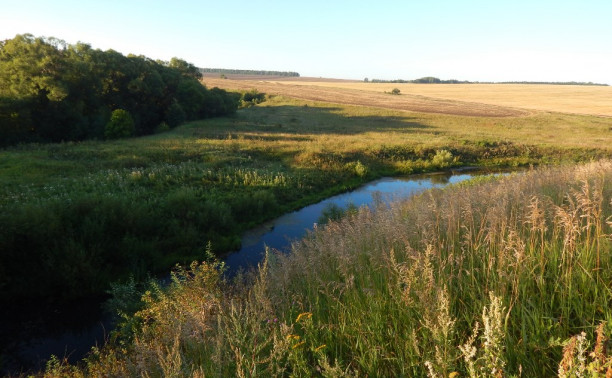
[280,232]
[72,331]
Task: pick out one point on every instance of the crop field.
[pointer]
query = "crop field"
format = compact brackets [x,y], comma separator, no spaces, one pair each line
[491,100]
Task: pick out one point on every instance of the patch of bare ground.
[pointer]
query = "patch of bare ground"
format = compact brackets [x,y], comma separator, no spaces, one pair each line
[357,96]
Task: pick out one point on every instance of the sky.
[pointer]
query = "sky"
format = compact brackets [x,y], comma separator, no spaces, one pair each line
[490,40]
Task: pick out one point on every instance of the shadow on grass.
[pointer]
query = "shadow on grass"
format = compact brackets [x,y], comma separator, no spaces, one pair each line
[298,123]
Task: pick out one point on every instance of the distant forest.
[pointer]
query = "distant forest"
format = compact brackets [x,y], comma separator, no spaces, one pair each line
[435,80]
[248,72]
[51,91]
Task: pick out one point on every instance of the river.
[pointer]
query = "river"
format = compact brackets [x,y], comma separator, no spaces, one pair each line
[30,339]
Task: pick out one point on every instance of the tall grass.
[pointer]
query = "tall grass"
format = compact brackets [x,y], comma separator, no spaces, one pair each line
[502,277]
[76,216]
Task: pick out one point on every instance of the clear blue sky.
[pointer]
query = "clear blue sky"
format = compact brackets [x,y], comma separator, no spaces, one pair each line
[534,40]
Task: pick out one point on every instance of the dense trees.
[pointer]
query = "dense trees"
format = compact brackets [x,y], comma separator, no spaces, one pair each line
[435,80]
[52,91]
[249,72]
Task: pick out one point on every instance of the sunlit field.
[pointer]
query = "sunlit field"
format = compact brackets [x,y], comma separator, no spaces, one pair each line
[210,180]
[402,289]
[468,99]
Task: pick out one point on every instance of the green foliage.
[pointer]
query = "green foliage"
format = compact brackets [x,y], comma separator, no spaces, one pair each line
[185,68]
[449,283]
[443,159]
[76,216]
[162,128]
[333,212]
[51,91]
[224,71]
[252,97]
[175,115]
[121,125]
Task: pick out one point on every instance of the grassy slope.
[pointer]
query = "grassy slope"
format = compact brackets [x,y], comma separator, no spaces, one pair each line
[141,204]
[484,279]
[284,153]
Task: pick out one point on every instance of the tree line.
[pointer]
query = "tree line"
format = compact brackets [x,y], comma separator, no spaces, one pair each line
[435,80]
[51,91]
[226,71]
[423,80]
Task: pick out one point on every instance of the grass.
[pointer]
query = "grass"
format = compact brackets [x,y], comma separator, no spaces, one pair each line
[141,205]
[503,277]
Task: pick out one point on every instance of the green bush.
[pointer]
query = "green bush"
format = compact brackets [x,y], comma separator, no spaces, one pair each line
[252,97]
[443,158]
[162,128]
[121,125]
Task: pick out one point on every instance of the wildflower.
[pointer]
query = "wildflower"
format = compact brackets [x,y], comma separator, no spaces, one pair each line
[306,315]
[320,347]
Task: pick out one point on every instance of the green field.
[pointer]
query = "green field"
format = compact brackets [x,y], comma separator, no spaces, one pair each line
[386,293]
[140,205]
[494,277]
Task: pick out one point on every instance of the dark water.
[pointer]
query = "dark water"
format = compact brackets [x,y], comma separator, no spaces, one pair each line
[31,333]
[28,339]
[279,233]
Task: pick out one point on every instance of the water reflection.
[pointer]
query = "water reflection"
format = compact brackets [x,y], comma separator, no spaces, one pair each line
[279,233]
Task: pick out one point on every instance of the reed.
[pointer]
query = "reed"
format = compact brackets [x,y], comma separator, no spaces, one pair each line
[503,277]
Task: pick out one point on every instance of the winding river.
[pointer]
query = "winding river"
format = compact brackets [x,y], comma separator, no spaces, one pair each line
[71,332]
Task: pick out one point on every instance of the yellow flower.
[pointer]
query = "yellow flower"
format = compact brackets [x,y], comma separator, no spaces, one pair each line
[306,315]
[320,347]
[298,344]
[453,374]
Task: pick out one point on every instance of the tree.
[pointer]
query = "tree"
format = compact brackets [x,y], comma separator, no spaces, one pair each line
[121,125]
[185,68]
[175,115]
[51,92]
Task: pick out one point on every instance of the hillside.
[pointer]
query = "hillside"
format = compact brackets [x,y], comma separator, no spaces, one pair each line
[490,278]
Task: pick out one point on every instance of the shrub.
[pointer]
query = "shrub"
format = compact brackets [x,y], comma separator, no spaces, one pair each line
[121,125]
[395,91]
[443,158]
[162,128]
[252,97]
[357,168]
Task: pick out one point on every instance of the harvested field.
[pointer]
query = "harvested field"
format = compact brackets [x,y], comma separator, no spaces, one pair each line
[340,92]
[489,100]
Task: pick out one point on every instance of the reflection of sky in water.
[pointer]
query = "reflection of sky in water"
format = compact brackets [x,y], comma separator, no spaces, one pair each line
[279,233]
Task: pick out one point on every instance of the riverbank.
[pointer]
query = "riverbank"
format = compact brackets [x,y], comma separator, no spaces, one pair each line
[76,216]
[488,277]
[70,330]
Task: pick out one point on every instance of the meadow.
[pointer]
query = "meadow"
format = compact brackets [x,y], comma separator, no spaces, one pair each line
[75,217]
[140,205]
[494,277]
